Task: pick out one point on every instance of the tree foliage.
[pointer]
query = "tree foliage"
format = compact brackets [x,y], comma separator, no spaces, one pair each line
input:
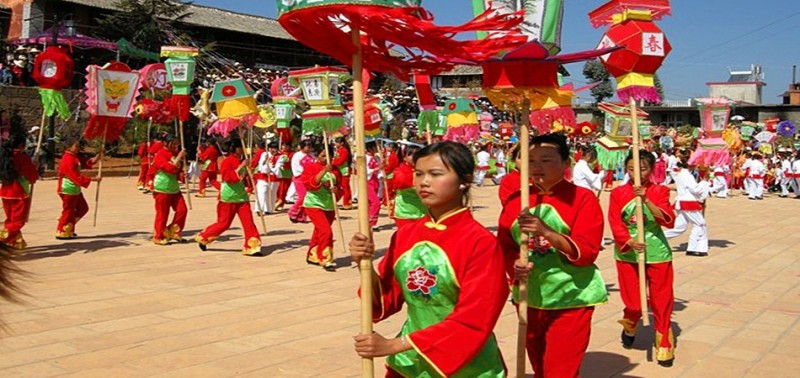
[659,89]
[594,72]
[148,24]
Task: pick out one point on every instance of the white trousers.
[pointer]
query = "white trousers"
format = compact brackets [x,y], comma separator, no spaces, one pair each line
[291,194]
[480,174]
[720,187]
[755,189]
[795,184]
[698,238]
[501,171]
[785,182]
[266,193]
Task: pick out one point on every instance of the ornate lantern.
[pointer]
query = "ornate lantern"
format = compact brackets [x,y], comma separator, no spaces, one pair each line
[462,120]
[320,87]
[235,105]
[645,45]
[53,70]
[180,67]
[613,148]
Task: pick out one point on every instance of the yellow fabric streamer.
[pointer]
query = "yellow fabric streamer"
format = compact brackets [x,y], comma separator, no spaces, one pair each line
[636,78]
[632,14]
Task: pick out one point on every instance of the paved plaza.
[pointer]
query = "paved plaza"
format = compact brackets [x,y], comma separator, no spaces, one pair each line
[112,304]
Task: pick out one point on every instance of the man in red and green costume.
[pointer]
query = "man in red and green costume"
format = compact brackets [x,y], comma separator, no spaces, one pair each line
[208,159]
[70,182]
[233,201]
[565,224]
[408,207]
[167,192]
[320,182]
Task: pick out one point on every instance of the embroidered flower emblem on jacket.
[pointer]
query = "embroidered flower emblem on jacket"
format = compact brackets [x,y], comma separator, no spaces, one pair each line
[632,219]
[420,280]
[539,244]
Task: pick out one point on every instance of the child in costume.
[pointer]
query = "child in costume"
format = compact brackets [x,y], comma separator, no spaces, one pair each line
[482,167]
[582,173]
[658,213]
[408,206]
[689,209]
[233,201]
[207,156]
[565,224]
[341,161]
[299,160]
[167,192]
[17,176]
[261,160]
[373,184]
[320,184]
[720,181]
[511,181]
[152,150]
[70,182]
[390,161]
[448,271]
[268,187]
[499,164]
[284,166]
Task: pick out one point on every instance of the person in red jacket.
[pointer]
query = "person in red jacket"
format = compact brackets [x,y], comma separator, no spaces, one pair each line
[390,162]
[70,182]
[341,161]
[152,150]
[17,176]
[167,193]
[320,184]
[207,156]
[233,201]
[510,183]
[284,176]
[144,166]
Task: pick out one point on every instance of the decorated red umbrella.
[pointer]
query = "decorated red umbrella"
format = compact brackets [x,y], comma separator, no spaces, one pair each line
[361,35]
[644,49]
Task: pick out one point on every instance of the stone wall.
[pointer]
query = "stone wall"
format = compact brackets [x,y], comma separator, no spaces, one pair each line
[27,103]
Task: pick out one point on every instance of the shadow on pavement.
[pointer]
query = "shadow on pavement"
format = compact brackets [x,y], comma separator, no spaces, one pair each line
[286,246]
[711,244]
[69,247]
[347,261]
[605,364]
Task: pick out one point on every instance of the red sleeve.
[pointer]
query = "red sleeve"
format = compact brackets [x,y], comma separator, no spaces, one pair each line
[506,241]
[142,152]
[69,168]
[390,292]
[228,169]
[341,157]
[659,195]
[453,342]
[403,178]
[163,162]
[308,178]
[25,167]
[392,162]
[586,233]
[618,228]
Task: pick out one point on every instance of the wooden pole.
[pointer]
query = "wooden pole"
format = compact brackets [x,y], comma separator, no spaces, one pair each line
[41,135]
[252,181]
[133,153]
[524,188]
[185,174]
[365,266]
[335,200]
[196,179]
[428,135]
[385,180]
[637,181]
[99,174]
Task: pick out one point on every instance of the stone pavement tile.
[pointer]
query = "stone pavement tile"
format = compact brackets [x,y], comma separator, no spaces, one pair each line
[197,371]
[775,365]
[744,349]
[35,354]
[179,359]
[29,340]
[715,365]
[730,318]
[788,346]
[118,370]
[34,370]
[707,333]
[126,323]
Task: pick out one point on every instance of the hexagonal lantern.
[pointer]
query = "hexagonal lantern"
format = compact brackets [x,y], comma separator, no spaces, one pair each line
[320,84]
[180,66]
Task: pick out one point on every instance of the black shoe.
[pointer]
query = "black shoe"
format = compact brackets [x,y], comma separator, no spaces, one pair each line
[627,341]
[294,220]
[667,363]
[329,267]
[698,254]
[202,246]
[309,262]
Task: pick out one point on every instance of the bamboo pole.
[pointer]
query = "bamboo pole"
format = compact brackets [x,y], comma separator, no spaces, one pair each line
[365,266]
[384,160]
[185,174]
[637,181]
[99,174]
[252,180]
[524,174]
[41,136]
[335,200]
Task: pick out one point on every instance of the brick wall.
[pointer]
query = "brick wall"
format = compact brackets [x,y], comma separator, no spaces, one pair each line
[26,101]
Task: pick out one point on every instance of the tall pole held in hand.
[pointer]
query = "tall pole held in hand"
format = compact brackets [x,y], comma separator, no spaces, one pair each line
[185,174]
[99,174]
[335,200]
[637,181]
[365,266]
[524,191]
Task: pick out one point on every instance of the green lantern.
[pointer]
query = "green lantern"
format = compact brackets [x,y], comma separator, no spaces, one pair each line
[180,65]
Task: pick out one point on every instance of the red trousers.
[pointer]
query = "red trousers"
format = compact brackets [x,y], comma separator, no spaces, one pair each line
[73,208]
[344,185]
[165,202]
[211,177]
[283,188]
[16,210]
[662,299]
[225,214]
[320,248]
[557,340]
[142,180]
[608,181]
[374,203]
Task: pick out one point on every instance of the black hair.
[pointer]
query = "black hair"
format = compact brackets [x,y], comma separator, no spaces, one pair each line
[69,141]
[344,143]
[410,150]
[232,144]
[590,150]
[8,171]
[644,155]
[455,156]
[559,140]
[514,152]
[273,144]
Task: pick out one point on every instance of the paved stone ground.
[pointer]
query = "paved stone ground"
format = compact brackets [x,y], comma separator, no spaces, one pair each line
[111,304]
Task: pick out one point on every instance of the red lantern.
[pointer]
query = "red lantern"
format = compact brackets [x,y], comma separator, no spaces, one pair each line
[645,46]
[53,68]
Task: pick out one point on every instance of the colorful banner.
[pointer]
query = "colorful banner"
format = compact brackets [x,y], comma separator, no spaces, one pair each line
[115,92]
[542,20]
[288,6]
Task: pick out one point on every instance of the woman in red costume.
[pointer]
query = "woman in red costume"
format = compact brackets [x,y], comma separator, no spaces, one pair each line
[70,182]
[17,176]
[448,271]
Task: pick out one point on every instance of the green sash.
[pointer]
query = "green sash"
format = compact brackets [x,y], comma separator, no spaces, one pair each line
[233,193]
[322,197]
[556,283]
[69,188]
[658,249]
[166,183]
[408,205]
[430,289]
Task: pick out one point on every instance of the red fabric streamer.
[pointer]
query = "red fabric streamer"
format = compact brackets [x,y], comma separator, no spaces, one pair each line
[96,125]
[180,105]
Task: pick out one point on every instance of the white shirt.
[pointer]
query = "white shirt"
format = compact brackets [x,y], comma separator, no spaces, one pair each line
[757,168]
[583,176]
[483,159]
[263,163]
[672,164]
[500,157]
[689,189]
[297,168]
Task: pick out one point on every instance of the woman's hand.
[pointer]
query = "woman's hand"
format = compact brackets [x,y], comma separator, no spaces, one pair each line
[636,246]
[532,224]
[361,247]
[521,271]
[375,345]
[640,191]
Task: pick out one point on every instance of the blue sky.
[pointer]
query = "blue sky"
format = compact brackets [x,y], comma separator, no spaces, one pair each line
[708,37]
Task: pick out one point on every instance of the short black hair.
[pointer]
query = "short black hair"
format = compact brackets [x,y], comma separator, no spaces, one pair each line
[560,141]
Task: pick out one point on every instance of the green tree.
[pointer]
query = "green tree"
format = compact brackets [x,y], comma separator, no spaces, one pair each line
[659,89]
[594,72]
[148,24]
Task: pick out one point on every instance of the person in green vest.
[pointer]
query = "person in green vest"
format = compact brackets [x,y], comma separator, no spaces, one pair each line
[408,207]
[658,213]
[17,176]
[565,226]
[70,182]
[447,269]
[320,184]
[233,201]
[167,192]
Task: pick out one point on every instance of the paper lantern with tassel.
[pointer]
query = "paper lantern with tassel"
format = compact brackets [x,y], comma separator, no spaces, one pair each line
[235,106]
[180,67]
[53,70]
[644,45]
[613,147]
[320,87]
[110,99]
[712,149]
[462,120]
